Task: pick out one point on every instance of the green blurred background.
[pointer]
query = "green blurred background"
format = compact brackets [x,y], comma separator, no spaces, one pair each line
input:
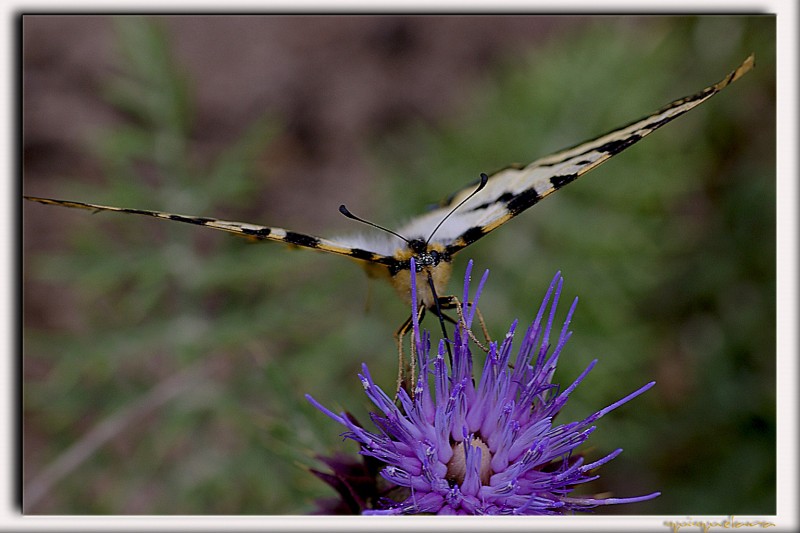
[165,365]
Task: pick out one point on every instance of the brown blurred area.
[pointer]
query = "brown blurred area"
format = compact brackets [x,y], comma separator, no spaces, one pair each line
[334,82]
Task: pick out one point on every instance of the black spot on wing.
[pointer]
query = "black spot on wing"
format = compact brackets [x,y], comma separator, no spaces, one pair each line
[201,221]
[472,234]
[366,255]
[133,211]
[618,145]
[301,240]
[523,201]
[503,198]
[261,233]
[124,210]
[559,181]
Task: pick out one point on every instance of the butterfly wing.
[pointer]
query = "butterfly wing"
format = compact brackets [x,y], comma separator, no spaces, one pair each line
[513,190]
[244,229]
[506,193]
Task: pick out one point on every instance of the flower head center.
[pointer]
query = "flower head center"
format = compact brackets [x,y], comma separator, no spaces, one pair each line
[457,466]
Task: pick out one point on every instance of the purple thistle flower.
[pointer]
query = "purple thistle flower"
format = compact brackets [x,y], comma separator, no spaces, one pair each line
[457,447]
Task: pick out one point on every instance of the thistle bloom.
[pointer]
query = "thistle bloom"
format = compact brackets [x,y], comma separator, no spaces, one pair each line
[488,446]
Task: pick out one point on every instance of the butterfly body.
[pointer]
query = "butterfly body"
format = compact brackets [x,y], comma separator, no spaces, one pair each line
[432,262]
[435,237]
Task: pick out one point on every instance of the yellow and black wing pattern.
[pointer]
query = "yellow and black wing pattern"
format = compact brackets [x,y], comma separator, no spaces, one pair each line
[505,194]
[244,229]
[510,191]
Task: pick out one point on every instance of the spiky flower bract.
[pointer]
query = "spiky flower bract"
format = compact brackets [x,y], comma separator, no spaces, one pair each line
[458,445]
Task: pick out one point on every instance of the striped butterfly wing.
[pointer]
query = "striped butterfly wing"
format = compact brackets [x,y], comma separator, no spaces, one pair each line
[511,191]
[243,229]
[506,194]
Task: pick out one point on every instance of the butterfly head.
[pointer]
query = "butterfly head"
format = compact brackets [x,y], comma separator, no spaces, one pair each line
[432,260]
[424,254]
[432,266]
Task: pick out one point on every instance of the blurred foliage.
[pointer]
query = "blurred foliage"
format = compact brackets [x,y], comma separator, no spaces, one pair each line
[156,298]
[670,246]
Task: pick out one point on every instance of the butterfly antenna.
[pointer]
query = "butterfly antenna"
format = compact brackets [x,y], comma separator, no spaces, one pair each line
[481,185]
[346,212]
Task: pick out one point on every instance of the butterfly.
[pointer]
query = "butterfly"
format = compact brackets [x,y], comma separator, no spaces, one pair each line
[435,237]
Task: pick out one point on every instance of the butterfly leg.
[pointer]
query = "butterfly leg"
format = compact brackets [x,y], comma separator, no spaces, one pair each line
[452,302]
[405,375]
[398,335]
[482,322]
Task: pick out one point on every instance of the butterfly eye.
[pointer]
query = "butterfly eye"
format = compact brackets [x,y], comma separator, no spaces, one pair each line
[427,259]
